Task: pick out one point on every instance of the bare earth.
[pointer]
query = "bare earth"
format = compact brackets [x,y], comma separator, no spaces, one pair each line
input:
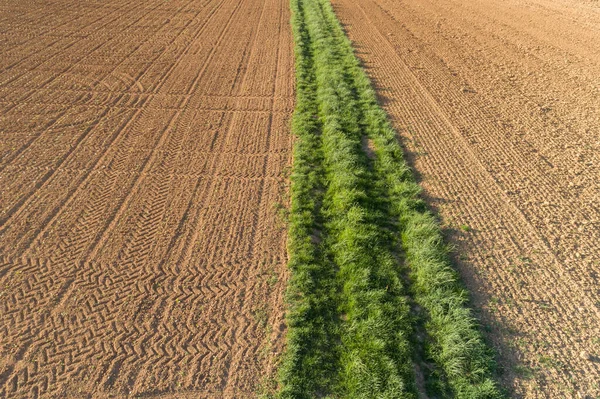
[498,103]
[143,146]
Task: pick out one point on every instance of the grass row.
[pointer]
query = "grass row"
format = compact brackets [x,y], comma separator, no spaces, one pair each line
[375,357]
[362,244]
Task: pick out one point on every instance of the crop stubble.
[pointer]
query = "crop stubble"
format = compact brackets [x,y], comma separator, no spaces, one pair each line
[497,104]
[143,146]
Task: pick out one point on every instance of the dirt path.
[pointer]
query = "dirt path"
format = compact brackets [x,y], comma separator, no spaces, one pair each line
[143,146]
[498,104]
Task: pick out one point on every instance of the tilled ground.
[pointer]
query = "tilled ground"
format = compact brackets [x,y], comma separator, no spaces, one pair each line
[498,104]
[143,148]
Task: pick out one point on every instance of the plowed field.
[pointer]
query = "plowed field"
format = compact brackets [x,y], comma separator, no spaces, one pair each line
[498,104]
[143,148]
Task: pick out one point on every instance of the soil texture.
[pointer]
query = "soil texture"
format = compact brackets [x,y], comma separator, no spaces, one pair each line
[144,146]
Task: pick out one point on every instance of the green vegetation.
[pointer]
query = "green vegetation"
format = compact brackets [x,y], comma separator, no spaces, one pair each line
[363,248]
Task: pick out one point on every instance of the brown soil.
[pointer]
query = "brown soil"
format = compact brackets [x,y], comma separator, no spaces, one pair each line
[498,105]
[143,147]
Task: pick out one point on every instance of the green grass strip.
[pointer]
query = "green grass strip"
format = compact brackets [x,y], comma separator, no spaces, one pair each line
[341,263]
[349,322]
[310,362]
[375,332]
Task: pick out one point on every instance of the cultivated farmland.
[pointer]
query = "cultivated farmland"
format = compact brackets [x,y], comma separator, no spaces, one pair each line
[143,147]
[210,199]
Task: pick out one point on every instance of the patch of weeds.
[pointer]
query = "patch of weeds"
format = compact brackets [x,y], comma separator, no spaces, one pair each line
[545,305]
[286,171]
[261,316]
[523,371]
[272,279]
[267,388]
[282,213]
[525,260]
[548,362]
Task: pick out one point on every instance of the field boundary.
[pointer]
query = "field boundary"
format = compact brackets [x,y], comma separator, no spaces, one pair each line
[369,266]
